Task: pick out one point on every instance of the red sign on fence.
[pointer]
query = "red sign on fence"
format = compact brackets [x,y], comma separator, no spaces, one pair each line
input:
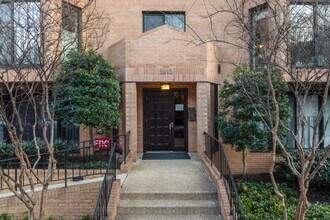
[102,143]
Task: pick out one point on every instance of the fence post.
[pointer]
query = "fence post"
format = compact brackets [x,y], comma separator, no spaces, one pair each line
[115,156]
[65,168]
[15,174]
[125,147]
[106,188]
[108,151]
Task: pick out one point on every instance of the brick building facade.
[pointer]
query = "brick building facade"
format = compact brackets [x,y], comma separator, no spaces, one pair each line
[150,44]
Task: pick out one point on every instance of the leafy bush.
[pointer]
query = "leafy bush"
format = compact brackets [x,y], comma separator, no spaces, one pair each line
[318,211]
[88,165]
[246,128]
[88,91]
[53,218]
[7,149]
[85,217]
[5,216]
[321,179]
[260,202]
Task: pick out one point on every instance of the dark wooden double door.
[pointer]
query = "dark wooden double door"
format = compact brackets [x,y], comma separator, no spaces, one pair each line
[165,120]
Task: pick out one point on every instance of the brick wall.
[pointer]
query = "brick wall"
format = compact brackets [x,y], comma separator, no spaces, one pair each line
[71,203]
[129,100]
[84,133]
[203,111]
[257,162]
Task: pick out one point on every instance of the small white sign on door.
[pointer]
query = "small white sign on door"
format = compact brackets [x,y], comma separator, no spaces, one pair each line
[179,107]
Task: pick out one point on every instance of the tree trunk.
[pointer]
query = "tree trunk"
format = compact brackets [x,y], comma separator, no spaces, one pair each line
[31,214]
[244,153]
[302,205]
[272,177]
[43,202]
[300,210]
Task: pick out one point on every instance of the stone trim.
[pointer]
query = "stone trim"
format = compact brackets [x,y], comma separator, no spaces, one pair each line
[222,195]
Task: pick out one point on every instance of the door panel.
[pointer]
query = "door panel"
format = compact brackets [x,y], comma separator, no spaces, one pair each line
[158,116]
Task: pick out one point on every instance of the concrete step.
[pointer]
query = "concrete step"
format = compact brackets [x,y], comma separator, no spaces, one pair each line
[167,206]
[169,195]
[170,217]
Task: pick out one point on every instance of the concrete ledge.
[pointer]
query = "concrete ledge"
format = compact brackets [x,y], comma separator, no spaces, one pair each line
[215,175]
[114,199]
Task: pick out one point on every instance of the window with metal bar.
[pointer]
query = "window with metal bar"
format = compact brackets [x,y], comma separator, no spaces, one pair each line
[19,32]
[310,34]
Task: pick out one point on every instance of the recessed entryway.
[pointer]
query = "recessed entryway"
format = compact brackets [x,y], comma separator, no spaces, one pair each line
[165,120]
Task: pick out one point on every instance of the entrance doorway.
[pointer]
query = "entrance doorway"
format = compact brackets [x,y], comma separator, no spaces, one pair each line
[165,120]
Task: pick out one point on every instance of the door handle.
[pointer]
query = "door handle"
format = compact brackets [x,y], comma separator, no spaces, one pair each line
[170,126]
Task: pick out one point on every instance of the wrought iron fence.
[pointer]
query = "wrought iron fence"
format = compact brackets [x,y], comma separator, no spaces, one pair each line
[215,152]
[73,163]
[101,209]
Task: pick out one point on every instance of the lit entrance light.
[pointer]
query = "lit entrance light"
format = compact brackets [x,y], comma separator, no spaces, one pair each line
[165,86]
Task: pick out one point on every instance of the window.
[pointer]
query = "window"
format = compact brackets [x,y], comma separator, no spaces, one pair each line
[326,123]
[259,24]
[25,108]
[152,20]
[292,120]
[2,132]
[68,133]
[311,110]
[310,34]
[71,33]
[19,32]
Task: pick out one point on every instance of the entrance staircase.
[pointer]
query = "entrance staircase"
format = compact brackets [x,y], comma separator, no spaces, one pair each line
[168,189]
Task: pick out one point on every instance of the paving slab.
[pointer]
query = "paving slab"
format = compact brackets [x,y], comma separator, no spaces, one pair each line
[168,176]
[166,190]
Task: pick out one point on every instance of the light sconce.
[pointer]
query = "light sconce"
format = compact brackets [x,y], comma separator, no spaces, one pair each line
[260,46]
[165,86]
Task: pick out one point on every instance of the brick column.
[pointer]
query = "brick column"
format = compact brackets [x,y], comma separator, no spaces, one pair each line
[130,115]
[203,100]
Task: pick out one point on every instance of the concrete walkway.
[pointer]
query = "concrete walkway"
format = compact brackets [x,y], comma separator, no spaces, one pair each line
[168,189]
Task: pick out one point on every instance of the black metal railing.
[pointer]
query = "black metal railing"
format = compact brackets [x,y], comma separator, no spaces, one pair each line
[123,140]
[73,163]
[101,209]
[215,152]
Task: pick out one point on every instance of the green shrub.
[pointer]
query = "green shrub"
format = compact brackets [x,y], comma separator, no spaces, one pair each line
[318,211]
[54,218]
[260,202]
[321,179]
[5,216]
[85,217]
[30,149]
